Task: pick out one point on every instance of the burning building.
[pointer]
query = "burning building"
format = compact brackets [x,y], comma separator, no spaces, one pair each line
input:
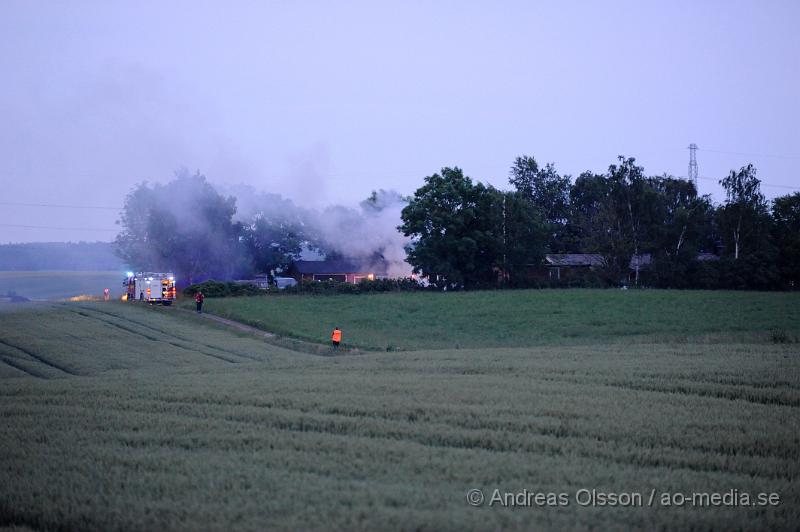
[342,270]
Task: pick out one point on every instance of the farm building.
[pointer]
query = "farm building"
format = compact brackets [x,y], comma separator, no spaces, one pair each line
[342,270]
[643,263]
[566,266]
[707,257]
[567,269]
[638,265]
[572,265]
[640,262]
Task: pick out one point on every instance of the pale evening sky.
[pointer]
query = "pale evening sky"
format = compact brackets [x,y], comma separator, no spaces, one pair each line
[325,101]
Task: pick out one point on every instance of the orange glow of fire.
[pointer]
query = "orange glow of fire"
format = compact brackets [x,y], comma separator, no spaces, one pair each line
[84,297]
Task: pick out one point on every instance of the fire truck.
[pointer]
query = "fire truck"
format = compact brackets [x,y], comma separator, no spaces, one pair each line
[151,287]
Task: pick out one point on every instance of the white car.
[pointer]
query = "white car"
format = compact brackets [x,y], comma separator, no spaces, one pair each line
[283,282]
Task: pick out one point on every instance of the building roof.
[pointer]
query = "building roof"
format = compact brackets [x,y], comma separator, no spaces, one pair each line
[340,266]
[575,259]
[643,261]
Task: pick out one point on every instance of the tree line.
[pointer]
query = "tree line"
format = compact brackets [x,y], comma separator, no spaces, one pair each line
[469,235]
[464,234]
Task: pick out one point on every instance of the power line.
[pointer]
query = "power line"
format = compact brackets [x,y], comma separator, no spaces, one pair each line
[54,227]
[752,154]
[788,187]
[398,173]
[58,205]
[693,177]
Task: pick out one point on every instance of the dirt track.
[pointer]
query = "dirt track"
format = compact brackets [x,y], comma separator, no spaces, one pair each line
[237,325]
[282,341]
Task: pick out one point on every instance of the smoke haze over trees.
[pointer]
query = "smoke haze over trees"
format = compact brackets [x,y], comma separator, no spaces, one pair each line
[183,226]
[189,227]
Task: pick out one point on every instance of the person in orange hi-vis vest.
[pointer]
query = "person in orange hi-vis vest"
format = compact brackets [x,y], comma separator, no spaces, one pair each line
[336,337]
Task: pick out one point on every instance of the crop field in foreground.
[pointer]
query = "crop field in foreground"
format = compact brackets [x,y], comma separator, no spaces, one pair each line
[518,318]
[121,416]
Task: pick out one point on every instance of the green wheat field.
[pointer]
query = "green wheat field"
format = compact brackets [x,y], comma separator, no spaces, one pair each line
[519,318]
[122,416]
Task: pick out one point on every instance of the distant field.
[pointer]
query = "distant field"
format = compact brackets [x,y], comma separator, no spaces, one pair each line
[124,416]
[54,285]
[517,318]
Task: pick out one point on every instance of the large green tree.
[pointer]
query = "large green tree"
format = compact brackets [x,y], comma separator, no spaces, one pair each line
[682,219]
[631,195]
[682,226]
[744,213]
[466,235]
[744,223]
[454,241]
[786,230]
[624,214]
[590,223]
[547,191]
[612,215]
[524,237]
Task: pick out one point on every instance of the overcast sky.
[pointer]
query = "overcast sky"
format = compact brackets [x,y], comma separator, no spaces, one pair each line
[325,101]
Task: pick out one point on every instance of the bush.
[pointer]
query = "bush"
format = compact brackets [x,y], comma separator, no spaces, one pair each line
[212,288]
[364,287]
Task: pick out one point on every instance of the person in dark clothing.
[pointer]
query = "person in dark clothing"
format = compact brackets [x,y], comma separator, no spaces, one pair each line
[198,298]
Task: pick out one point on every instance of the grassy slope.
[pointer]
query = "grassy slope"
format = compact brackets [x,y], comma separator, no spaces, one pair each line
[199,428]
[61,284]
[516,318]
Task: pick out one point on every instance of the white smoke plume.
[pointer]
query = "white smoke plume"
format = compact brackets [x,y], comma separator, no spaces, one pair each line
[367,233]
[251,203]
